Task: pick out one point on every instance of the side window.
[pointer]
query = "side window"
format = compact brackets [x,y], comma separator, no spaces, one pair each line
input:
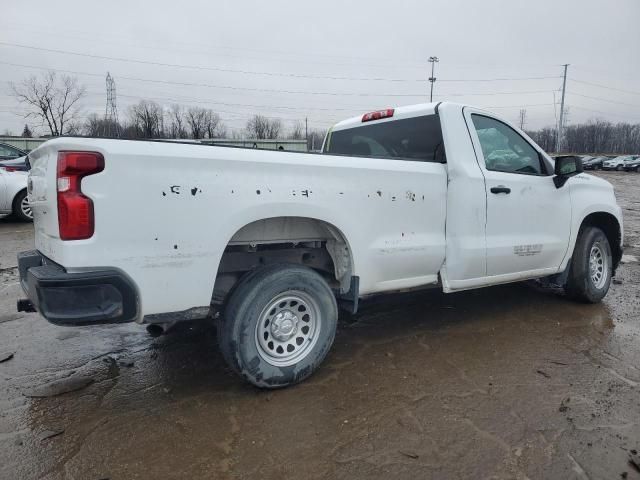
[504,149]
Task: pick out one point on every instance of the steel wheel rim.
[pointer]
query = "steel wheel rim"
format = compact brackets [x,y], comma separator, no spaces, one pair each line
[288,328]
[25,207]
[598,266]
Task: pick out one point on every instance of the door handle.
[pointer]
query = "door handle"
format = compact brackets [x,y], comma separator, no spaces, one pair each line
[500,189]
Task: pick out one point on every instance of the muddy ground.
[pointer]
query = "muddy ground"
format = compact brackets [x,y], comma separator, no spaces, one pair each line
[505,382]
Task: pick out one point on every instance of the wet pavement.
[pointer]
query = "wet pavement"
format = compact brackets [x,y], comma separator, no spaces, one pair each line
[505,382]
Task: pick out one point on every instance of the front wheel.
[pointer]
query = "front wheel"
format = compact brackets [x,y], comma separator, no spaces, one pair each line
[279,325]
[619,168]
[591,267]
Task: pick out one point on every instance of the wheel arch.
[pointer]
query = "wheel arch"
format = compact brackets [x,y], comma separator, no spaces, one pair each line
[285,238]
[612,229]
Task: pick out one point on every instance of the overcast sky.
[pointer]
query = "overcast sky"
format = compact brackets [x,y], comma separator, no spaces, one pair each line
[330,60]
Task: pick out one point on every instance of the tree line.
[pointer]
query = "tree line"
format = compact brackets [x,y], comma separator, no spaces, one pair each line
[54,102]
[594,136]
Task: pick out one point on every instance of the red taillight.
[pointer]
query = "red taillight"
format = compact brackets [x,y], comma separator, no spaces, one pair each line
[367,117]
[9,168]
[75,210]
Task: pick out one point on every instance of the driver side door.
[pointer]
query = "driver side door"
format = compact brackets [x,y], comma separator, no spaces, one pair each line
[528,218]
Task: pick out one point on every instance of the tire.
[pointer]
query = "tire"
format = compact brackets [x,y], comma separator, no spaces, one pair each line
[274,355]
[21,210]
[619,168]
[584,284]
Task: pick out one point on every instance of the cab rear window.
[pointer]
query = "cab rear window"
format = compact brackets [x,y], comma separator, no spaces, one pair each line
[417,138]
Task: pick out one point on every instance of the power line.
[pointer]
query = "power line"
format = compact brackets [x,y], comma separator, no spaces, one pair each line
[200,67]
[270,90]
[604,86]
[637,117]
[521,105]
[276,74]
[209,47]
[504,79]
[200,102]
[606,100]
[226,87]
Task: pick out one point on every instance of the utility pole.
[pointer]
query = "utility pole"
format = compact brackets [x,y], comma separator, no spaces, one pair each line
[561,121]
[306,132]
[432,78]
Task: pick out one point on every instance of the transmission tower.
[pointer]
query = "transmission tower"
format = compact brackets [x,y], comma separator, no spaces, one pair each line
[111,125]
[523,118]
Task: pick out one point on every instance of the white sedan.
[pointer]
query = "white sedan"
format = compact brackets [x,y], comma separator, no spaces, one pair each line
[13,194]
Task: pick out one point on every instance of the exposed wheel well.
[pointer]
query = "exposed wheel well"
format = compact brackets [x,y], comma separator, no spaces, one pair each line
[298,240]
[611,228]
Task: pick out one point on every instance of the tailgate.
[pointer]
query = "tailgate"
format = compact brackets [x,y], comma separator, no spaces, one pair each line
[41,186]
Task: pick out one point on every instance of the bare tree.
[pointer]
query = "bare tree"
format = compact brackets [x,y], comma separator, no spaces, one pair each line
[297,131]
[595,136]
[197,121]
[262,127]
[204,123]
[147,120]
[316,137]
[52,99]
[96,125]
[177,122]
[215,128]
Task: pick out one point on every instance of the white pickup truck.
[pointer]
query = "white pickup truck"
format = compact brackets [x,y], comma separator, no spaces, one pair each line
[434,195]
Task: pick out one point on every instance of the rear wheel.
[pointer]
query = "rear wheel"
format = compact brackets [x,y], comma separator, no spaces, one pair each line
[279,325]
[591,267]
[21,208]
[619,168]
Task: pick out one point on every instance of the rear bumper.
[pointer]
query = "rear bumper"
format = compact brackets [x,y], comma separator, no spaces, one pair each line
[85,298]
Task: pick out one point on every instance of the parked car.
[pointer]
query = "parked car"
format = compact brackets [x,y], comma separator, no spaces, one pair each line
[17,164]
[633,165]
[13,195]
[617,163]
[9,152]
[437,195]
[595,163]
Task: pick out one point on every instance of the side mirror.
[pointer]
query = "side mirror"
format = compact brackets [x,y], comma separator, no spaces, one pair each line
[566,166]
